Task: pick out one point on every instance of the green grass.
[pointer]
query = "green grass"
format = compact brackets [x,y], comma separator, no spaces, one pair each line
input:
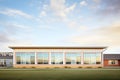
[57,74]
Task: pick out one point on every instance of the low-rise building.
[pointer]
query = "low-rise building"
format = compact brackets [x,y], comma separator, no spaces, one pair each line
[111,60]
[57,56]
[6,59]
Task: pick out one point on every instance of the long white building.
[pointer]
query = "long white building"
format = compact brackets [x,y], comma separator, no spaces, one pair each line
[57,56]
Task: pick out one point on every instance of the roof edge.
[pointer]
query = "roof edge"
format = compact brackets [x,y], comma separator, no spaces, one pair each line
[58,47]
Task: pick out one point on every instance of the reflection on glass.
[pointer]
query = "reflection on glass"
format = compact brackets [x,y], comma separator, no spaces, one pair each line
[42,57]
[25,57]
[98,58]
[92,58]
[73,58]
[56,58]
[112,62]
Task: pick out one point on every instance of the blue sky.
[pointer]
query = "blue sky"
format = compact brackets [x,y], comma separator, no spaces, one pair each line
[60,23]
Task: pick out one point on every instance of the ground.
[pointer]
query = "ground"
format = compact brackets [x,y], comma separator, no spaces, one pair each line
[59,74]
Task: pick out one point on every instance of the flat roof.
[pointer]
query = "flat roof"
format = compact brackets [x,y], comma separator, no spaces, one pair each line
[57,47]
[112,56]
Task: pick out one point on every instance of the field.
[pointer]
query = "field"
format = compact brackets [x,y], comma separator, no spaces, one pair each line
[59,74]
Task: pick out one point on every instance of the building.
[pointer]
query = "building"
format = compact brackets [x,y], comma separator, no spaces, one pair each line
[111,60]
[51,57]
[6,59]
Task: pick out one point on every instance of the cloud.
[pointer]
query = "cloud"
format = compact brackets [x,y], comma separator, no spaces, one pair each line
[83,3]
[8,30]
[4,38]
[107,36]
[109,7]
[5,45]
[71,8]
[43,13]
[15,12]
[59,8]
[9,35]
[74,25]
[97,1]
[13,28]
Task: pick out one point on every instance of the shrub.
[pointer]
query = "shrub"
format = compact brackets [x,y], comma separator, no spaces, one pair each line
[67,67]
[47,67]
[99,67]
[79,67]
[33,67]
[56,67]
[23,67]
[88,67]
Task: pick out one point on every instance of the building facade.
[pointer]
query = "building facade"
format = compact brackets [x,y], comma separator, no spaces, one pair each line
[6,59]
[50,57]
[111,60]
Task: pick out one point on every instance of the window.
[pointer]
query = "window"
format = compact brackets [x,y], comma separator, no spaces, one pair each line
[73,58]
[98,58]
[113,62]
[25,57]
[56,58]
[42,58]
[92,58]
[2,62]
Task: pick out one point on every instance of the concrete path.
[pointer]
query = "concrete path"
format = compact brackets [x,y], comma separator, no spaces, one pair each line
[59,69]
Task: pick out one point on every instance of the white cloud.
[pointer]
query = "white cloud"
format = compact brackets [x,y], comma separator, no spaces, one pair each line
[109,8]
[14,26]
[9,35]
[15,12]
[43,13]
[45,7]
[103,36]
[60,9]
[83,3]
[71,8]
[97,1]
[58,6]
[5,46]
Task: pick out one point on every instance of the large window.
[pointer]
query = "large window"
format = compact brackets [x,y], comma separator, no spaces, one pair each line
[56,58]
[25,57]
[98,58]
[2,62]
[73,58]
[92,58]
[42,57]
[113,62]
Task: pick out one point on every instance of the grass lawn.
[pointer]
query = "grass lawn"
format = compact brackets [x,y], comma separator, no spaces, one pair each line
[59,74]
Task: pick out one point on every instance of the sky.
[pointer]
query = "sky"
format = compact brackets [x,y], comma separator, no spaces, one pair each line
[60,23]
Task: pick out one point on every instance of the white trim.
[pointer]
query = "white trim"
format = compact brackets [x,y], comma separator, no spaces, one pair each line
[82,58]
[64,59]
[102,59]
[14,57]
[49,57]
[35,58]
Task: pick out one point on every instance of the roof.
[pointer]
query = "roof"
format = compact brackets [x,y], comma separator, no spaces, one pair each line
[6,55]
[56,47]
[112,56]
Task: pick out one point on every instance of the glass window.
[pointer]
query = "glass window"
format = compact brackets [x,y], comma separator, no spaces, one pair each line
[2,62]
[92,58]
[56,58]
[73,58]
[42,57]
[98,58]
[25,58]
[113,62]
